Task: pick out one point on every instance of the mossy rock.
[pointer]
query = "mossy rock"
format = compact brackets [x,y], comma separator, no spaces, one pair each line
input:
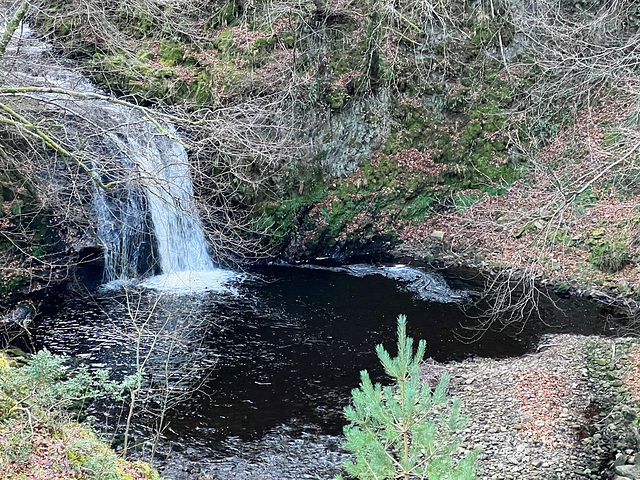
[382,175]
[171,53]
[610,256]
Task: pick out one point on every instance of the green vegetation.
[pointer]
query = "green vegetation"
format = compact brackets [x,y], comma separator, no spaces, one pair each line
[418,207]
[462,201]
[402,431]
[610,255]
[281,220]
[41,400]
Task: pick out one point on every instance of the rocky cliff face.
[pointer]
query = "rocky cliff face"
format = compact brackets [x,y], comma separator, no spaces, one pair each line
[495,130]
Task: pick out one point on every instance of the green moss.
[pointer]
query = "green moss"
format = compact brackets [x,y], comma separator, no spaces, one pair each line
[417,208]
[382,175]
[225,41]
[146,471]
[202,89]
[263,44]
[171,53]
[340,214]
[482,33]
[149,83]
[610,255]
[336,97]
[588,198]
[282,220]
[416,128]
[344,60]
[64,28]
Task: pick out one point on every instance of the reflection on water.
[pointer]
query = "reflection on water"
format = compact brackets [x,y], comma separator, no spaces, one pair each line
[273,365]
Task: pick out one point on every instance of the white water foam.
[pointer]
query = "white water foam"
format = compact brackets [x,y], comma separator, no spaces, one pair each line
[180,283]
[183,282]
[428,286]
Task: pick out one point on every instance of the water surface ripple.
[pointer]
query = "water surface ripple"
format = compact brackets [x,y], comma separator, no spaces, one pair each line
[273,364]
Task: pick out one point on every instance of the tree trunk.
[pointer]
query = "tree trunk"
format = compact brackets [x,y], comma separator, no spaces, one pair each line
[12,26]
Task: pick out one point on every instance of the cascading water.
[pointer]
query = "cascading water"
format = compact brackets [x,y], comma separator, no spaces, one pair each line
[165,178]
[122,232]
[160,170]
[147,221]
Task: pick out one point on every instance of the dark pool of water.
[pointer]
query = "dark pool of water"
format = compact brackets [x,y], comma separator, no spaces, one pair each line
[275,363]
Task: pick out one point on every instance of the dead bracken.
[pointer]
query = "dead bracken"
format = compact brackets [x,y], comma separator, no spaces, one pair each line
[538,393]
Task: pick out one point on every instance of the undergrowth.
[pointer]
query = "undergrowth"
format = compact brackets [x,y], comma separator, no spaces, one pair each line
[41,402]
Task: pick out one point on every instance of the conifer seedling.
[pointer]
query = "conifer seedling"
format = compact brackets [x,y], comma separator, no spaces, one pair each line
[405,431]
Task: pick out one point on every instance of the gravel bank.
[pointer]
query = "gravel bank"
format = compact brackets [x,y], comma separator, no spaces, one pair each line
[529,414]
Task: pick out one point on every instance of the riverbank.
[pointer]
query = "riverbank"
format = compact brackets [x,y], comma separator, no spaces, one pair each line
[41,434]
[565,412]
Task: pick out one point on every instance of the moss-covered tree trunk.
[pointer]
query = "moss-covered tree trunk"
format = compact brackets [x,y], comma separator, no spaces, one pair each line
[13,25]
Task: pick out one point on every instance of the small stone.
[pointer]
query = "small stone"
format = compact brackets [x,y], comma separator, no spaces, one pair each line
[630,471]
[437,235]
[621,459]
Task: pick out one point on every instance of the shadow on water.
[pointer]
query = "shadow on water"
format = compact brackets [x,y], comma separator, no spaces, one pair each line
[276,363]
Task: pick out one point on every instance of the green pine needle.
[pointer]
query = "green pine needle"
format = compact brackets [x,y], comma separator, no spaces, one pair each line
[404,431]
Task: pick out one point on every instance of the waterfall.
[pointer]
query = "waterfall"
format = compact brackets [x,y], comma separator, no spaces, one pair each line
[160,172]
[156,181]
[166,180]
[122,231]
[147,222]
